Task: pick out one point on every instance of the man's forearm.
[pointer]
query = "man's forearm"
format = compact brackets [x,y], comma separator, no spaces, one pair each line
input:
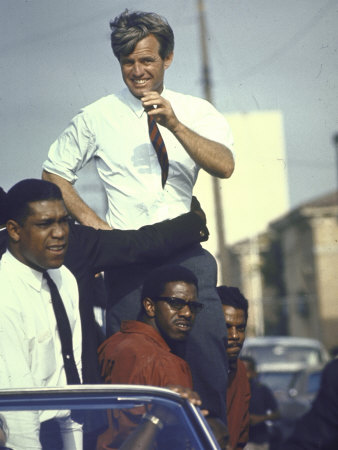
[255,419]
[74,203]
[213,157]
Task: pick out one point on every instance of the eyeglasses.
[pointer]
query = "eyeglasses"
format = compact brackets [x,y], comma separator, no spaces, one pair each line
[178,304]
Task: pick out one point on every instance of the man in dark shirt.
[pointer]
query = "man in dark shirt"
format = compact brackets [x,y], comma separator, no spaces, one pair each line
[263,407]
[318,429]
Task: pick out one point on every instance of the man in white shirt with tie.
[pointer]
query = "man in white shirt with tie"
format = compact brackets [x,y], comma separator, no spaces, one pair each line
[114,132]
[30,345]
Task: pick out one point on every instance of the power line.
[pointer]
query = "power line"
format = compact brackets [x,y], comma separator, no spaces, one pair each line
[286,46]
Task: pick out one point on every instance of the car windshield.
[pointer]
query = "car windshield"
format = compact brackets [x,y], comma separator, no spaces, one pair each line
[137,421]
[277,381]
[282,353]
[313,382]
[282,381]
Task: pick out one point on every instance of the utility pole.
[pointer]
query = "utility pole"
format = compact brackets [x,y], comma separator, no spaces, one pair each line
[335,142]
[220,228]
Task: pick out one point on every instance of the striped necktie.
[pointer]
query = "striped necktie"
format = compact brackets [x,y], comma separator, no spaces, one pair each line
[159,146]
[65,332]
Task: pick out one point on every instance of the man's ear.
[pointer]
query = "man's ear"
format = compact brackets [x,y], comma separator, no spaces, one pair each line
[168,60]
[149,307]
[13,230]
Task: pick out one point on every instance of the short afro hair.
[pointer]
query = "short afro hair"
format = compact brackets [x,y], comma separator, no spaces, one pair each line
[16,202]
[155,282]
[232,296]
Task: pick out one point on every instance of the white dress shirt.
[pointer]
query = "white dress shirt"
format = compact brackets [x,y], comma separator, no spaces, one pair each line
[114,131]
[30,347]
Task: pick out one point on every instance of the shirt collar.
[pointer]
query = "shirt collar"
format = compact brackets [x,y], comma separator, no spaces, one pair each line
[31,276]
[134,103]
[136,326]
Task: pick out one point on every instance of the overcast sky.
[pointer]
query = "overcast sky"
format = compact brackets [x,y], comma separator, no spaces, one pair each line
[55,57]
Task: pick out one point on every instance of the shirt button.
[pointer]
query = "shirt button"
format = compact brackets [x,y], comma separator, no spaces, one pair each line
[202,234]
[67,356]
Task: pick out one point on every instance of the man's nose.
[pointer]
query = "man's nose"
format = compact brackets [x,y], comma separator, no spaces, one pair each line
[186,311]
[233,333]
[137,69]
[58,230]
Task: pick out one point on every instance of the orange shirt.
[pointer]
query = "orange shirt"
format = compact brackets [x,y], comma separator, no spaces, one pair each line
[139,355]
[238,398]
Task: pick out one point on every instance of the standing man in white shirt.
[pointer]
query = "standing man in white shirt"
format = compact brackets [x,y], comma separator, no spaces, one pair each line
[142,189]
[31,349]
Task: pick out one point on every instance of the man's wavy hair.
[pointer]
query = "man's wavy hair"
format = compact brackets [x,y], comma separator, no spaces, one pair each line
[130,27]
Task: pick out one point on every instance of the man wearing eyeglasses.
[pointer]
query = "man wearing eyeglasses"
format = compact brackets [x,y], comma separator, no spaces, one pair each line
[141,352]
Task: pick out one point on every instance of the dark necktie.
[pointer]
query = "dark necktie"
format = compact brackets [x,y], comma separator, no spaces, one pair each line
[65,332]
[159,146]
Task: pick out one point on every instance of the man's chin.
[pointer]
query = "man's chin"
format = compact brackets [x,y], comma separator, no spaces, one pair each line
[54,264]
[138,93]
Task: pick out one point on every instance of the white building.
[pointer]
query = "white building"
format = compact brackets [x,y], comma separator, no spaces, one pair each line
[257,192]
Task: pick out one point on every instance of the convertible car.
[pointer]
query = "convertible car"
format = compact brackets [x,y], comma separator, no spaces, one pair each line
[177,424]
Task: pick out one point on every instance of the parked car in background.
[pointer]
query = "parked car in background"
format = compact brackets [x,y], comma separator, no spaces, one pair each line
[291,367]
[269,350]
[295,389]
[184,426]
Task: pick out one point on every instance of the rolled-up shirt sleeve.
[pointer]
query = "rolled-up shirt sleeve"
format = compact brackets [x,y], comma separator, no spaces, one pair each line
[204,119]
[73,149]
[214,126]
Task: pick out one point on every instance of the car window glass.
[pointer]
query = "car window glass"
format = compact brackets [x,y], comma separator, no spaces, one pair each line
[280,353]
[277,381]
[313,382]
[169,423]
